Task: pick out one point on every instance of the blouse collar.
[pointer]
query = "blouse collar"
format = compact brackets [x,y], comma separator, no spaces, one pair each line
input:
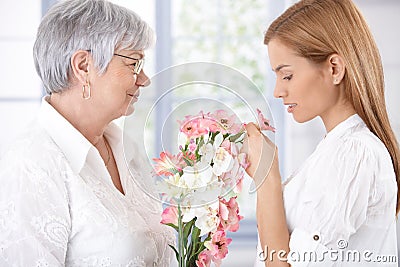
[71,142]
[342,128]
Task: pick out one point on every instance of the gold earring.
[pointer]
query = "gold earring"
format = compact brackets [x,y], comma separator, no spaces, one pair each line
[84,95]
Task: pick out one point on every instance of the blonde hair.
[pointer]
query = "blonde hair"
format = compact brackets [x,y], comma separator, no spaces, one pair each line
[316,29]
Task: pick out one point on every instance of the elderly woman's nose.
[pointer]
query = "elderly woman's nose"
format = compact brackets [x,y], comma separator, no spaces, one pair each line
[142,79]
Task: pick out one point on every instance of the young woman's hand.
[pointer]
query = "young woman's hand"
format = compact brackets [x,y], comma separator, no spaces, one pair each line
[262,154]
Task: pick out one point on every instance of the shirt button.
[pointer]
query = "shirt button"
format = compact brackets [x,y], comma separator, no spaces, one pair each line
[316,237]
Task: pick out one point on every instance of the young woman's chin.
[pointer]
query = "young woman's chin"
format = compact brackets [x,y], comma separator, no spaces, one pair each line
[301,119]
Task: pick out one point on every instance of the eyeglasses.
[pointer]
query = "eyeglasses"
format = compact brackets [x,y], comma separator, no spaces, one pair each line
[137,66]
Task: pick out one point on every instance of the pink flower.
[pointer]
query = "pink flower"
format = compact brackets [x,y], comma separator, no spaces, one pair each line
[243,160]
[264,123]
[170,215]
[226,145]
[196,126]
[229,214]
[233,178]
[192,146]
[204,259]
[218,246]
[239,186]
[189,156]
[225,123]
[231,147]
[192,130]
[168,164]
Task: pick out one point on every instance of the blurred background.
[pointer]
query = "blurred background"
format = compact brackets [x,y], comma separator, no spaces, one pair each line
[223,31]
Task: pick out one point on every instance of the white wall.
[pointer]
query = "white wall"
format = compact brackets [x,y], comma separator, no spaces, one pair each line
[20,87]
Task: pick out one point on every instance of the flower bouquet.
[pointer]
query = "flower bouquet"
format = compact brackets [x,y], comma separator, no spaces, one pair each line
[202,182]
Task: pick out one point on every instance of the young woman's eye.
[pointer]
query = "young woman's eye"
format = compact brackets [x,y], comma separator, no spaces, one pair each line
[288,77]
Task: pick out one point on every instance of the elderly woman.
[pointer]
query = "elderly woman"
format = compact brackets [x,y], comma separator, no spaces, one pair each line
[66,196]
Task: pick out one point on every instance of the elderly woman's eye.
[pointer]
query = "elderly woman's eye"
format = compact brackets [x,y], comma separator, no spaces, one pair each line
[134,65]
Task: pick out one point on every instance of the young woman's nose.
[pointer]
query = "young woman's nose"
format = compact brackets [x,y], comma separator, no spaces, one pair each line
[279,91]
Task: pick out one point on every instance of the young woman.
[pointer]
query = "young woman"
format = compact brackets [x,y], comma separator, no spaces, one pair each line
[339,208]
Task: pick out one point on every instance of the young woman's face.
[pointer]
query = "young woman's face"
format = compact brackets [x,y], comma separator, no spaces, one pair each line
[118,88]
[305,87]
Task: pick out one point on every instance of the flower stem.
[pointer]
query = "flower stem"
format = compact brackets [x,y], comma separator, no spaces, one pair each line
[181,248]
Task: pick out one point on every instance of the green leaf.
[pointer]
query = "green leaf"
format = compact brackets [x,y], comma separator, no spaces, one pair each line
[200,143]
[196,245]
[176,252]
[195,254]
[192,262]
[172,225]
[186,230]
[234,138]
[193,241]
[195,236]
[187,161]
[200,249]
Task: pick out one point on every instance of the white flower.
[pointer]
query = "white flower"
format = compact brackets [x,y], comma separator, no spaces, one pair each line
[173,187]
[207,153]
[218,140]
[207,217]
[182,139]
[189,213]
[206,137]
[197,176]
[223,161]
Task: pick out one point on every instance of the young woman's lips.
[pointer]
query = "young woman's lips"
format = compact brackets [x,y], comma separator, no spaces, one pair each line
[291,107]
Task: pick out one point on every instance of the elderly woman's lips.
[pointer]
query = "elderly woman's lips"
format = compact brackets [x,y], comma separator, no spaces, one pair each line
[135,97]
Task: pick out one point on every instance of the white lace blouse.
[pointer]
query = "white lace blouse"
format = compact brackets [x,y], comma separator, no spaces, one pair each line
[340,205]
[59,207]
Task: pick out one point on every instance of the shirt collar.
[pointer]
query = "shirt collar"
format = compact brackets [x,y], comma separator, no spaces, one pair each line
[344,127]
[71,142]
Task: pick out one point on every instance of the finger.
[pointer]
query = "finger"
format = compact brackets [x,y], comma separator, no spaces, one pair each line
[269,140]
[252,129]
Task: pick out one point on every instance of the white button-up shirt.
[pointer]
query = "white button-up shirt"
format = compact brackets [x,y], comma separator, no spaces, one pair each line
[340,204]
[59,206]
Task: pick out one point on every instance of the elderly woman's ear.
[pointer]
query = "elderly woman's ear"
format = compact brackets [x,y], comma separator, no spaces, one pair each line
[80,65]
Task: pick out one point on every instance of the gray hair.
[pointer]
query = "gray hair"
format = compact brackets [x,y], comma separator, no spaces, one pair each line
[96,25]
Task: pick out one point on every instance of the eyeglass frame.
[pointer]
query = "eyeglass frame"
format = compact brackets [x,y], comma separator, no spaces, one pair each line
[139,65]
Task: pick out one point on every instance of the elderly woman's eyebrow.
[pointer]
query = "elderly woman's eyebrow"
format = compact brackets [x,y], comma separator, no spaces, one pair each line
[137,53]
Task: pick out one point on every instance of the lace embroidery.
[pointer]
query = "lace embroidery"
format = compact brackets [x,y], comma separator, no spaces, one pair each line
[92,262]
[42,263]
[53,228]
[7,218]
[138,261]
